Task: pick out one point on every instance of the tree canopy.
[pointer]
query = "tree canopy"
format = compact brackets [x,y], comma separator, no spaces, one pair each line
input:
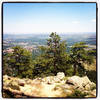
[19,62]
[79,56]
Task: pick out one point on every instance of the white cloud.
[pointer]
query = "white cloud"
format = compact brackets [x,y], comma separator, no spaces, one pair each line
[93,20]
[75,22]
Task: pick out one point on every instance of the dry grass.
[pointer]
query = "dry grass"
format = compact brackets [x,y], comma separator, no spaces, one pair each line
[91,66]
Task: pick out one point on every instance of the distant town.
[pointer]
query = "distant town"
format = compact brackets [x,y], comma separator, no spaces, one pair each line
[33,42]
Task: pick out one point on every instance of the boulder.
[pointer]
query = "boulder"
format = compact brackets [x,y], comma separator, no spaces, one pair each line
[60,75]
[87,87]
[85,80]
[93,93]
[68,92]
[66,86]
[57,79]
[48,80]
[5,77]
[80,82]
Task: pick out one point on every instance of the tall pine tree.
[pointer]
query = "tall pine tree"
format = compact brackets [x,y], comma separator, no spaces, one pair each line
[54,56]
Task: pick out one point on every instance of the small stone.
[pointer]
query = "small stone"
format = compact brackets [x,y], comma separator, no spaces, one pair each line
[93,93]
[21,82]
[68,92]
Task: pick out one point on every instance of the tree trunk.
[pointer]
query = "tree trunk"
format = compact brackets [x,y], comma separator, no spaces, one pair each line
[75,69]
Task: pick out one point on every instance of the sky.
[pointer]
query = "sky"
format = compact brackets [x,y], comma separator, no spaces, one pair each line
[49,17]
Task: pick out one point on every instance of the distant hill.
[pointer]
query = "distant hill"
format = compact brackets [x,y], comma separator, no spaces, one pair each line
[40,39]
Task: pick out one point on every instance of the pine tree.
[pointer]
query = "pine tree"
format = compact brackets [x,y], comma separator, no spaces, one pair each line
[20,62]
[54,56]
[79,56]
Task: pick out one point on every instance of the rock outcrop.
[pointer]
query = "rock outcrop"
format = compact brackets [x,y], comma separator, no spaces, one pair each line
[52,86]
[81,83]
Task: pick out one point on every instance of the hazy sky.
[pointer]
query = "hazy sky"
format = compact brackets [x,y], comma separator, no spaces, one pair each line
[49,17]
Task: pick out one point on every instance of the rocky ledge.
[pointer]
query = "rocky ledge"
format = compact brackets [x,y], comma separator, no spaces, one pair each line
[52,86]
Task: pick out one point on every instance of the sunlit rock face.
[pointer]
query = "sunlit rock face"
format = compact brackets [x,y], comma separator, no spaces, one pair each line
[59,78]
[51,86]
[60,75]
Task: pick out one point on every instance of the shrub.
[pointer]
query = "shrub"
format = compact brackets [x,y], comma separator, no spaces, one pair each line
[91,75]
[77,94]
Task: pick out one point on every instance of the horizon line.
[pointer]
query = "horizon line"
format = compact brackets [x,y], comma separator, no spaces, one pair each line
[45,32]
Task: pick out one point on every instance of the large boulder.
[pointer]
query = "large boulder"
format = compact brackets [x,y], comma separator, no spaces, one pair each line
[80,82]
[59,78]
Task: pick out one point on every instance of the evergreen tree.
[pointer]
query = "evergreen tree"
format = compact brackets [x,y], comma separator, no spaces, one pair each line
[20,62]
[79,55]
[6,68]
[54,57]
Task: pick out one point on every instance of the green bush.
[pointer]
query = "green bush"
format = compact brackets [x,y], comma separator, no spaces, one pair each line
[93,87]
[91,75]
[77,94]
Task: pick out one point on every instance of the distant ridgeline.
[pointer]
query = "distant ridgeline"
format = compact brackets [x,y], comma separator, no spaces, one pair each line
[35,40]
